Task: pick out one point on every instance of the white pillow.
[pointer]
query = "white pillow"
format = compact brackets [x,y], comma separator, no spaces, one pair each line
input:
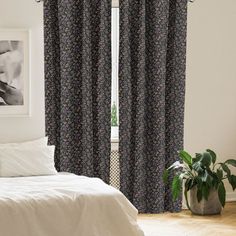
[27,161]
[35,143]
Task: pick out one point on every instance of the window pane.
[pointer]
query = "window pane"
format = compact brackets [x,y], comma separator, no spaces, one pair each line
[115,74]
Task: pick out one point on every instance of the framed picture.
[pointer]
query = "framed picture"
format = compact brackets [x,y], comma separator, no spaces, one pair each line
[14,73]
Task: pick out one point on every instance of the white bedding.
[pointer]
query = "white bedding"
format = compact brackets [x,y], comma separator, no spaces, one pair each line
[64,205]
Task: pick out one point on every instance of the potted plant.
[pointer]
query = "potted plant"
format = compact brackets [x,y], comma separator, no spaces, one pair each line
[114,121]
[203,177]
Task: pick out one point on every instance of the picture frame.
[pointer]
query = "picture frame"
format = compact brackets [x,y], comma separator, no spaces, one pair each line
[15,73]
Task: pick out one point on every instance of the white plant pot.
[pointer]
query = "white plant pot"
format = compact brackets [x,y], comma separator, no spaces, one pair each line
[212,206]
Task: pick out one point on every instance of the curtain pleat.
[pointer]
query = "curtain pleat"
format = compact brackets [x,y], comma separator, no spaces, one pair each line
[152,91]
[78,84]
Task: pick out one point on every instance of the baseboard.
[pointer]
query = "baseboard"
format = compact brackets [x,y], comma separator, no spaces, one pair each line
[230,197]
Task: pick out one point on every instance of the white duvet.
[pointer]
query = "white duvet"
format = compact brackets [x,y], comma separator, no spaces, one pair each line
[64,205]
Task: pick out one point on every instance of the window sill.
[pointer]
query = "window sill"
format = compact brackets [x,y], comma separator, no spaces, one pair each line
[114,140]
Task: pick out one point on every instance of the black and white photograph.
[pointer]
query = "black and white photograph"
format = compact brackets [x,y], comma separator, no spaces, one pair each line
[11,73]
[15,72]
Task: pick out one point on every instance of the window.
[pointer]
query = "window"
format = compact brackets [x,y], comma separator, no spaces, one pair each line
[115,76]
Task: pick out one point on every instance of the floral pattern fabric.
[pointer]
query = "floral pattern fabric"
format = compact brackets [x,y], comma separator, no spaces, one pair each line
[152,91]
[78,84]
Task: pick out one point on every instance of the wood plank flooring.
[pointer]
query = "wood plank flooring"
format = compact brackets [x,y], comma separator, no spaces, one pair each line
[186,224]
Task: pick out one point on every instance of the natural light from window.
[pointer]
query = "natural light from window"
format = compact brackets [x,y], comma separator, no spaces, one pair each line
[115,76]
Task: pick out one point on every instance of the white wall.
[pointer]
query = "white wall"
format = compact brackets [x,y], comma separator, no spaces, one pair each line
[26,14]
[115,3]
[210,119]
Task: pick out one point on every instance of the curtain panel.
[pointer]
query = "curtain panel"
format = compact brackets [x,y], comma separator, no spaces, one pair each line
[152,91]
[78,84]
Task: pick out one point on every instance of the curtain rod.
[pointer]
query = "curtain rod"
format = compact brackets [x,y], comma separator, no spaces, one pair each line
[38,1]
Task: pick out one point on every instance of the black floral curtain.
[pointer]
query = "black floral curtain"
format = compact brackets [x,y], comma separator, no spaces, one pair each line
[152,91]
[78,84]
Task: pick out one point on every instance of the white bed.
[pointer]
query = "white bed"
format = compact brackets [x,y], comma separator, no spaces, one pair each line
[64,205]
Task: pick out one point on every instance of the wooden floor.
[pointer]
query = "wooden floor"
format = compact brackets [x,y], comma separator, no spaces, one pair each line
[186,224]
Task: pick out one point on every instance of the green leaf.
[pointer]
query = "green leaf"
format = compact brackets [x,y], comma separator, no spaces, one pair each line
[231,162]
[221,193]
[215,180]
[206,178]
[232,181]
[186,157]
[205,191]
[188,184]
[197,157]
[209,181]
[213,155]
[199,195]
[176,187]
[197,167]
[175,165]
[182,176]
[206,159]
[219,174]
[198,181]
[165,176]
[226,169]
